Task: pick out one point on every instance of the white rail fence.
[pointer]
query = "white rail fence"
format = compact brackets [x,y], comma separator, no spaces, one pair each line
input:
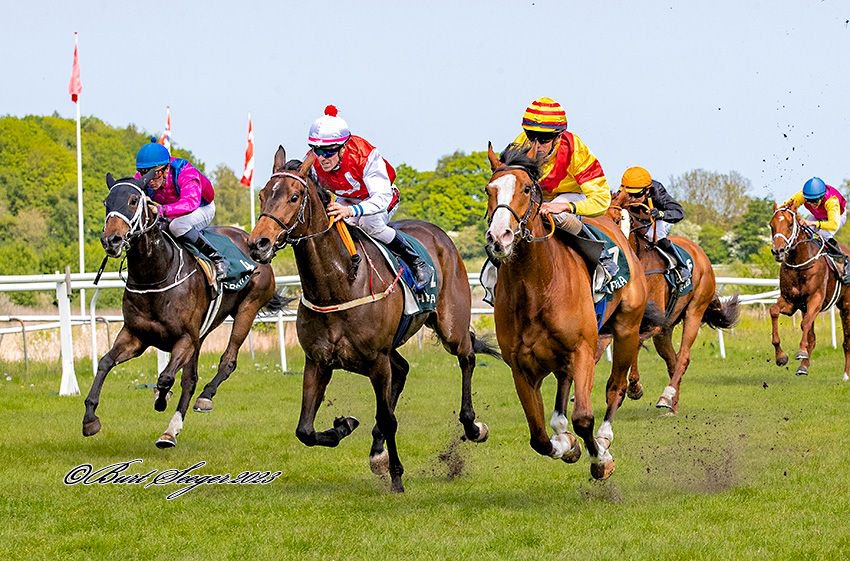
[63,285]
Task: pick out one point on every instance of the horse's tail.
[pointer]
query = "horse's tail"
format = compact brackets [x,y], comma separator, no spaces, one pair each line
[653,321]
[277,303]
[720,314]
[484,345]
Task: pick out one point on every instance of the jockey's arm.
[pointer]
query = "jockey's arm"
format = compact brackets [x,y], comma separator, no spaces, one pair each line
[598,197]
[673,211]
[833,213]
[795,202]
[377,180]
[189,182]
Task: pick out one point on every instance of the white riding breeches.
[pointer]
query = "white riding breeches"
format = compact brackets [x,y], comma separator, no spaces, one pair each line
[199,218]
[826,234]
[375,225]
[658,231]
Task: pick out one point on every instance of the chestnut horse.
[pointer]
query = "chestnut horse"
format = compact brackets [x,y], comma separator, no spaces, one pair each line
[702,305]
[806,283]
[357,330]
[545,317]
[165,304]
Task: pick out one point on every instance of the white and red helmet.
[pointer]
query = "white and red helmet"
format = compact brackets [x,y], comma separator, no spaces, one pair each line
[329,130]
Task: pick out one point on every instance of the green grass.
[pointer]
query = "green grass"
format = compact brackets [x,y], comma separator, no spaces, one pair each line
[744,472]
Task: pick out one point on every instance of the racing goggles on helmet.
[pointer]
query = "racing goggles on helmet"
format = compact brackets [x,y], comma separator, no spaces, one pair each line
[326,151]
[160,170]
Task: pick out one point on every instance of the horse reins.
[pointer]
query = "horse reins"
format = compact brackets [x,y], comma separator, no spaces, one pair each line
[523,231]
[791,242]
[299,219]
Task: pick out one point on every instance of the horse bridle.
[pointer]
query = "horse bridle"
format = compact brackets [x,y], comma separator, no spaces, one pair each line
[791,241]
[140,222]
[299,217]
[523,231]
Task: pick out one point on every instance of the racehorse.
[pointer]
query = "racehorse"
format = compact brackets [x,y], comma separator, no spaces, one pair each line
[805,283]
[344,322]
[545,317]
[702,305]
[165,303]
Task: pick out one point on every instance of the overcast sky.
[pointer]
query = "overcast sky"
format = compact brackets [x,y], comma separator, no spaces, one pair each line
[758,87]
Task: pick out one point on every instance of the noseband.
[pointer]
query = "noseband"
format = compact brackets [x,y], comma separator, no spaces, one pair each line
[523,231]
[791,241]
[139,223]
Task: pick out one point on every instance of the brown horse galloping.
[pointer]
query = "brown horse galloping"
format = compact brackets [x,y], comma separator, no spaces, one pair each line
[165,303]
[701,305]
[360,338]
[806,283]
[545,318]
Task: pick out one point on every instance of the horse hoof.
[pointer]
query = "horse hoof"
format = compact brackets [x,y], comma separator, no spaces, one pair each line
[846,377]
[203,405]
[573,454]
[635,393]
[802,355]
[160,402]
[782,360]
[666,399]
[380,463]
[483,433]
[345,425]
[602,470]
[91,428]
[166,441]
[802,371]
[397,486]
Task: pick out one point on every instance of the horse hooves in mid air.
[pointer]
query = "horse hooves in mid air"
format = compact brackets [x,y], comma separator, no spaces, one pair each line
[166,441]
[483,433]
[802,371]
[380,463]
[602,470]
[160,400]
[91,428]
[635,392]
[782,360]
[802,355]
[203,405]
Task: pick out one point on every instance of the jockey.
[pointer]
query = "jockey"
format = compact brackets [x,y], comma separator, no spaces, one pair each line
[571,177]
[665,212]
[185,197]
[827,206]
[354,170]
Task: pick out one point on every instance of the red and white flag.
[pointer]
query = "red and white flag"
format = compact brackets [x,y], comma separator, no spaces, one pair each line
[248,174]
[75,86]
[165,138]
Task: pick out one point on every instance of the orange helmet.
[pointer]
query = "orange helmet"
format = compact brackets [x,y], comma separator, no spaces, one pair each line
[636,179]
[544,115]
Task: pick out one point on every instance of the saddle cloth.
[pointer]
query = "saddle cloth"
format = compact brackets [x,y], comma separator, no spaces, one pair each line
[239,265]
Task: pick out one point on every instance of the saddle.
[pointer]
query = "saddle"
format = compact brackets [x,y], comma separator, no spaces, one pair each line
[240,266]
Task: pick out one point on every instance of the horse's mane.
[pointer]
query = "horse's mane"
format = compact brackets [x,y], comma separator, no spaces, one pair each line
[517,155]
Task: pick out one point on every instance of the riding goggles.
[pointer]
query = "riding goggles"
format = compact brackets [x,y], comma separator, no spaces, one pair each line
[540,137]
[159,171]
[325,151]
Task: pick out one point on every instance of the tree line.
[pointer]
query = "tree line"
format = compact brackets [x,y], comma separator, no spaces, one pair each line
[38,207]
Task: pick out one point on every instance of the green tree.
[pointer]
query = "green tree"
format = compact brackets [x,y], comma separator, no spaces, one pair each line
[711,197]
[752,232]
[712,242]
[232,205]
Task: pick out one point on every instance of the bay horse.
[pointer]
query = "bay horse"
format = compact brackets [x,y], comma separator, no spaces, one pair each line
[545,317]
[806,283]
[702,305]
[360,338]
[165,303]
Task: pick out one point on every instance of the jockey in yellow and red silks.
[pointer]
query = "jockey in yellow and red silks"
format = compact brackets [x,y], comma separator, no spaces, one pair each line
[571,177]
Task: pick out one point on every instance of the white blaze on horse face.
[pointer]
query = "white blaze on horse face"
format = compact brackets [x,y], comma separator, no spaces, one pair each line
[501,222]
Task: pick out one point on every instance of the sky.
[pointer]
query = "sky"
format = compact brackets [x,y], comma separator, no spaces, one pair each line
[759,87]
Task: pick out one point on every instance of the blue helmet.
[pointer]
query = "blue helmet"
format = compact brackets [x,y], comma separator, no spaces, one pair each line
[814,188]
[151,155]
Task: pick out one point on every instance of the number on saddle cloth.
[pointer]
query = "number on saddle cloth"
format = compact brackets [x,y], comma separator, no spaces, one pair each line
[239,265]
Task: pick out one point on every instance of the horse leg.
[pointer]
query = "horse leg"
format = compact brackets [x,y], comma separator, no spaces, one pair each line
[782,306]
[379,459]
[316,379]
[559,422]
[635,389]
[180,355]
[581,366]
[807,341]
[188,381]
[845,329]
[690,329]
[380,374]
[125,347]
[531,400]
[242,323]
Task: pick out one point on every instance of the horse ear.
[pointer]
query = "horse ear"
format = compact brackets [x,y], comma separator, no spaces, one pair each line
[775,206]
[110,181]
[308,163]
[279,160]
[494,159]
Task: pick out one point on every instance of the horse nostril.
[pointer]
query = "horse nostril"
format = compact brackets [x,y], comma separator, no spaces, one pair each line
[262,243]
[114,239]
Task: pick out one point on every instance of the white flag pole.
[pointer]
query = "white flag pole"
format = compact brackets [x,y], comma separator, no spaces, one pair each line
[80,200]
[251,186]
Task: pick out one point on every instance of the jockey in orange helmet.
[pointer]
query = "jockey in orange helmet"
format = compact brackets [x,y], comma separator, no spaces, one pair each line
[350,167]
[663,209]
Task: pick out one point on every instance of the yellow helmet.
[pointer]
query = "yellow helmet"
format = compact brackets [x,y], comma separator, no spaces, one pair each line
[544,115]
[636,179]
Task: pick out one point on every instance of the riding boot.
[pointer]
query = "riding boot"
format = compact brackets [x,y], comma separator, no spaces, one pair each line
[593,251]
[682,269]
[197,239]
[840,259]
[421,270]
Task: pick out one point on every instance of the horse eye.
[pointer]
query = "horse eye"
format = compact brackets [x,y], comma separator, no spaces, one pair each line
[293,198]
[527,189]
[133,200]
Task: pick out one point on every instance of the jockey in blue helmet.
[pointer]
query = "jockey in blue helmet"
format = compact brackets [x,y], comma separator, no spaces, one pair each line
[185,197]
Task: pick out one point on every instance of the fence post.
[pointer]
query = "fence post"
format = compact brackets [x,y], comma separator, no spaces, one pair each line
[281,340]
[93,324]
[162,359]
[832,324]
[721,343]
[69,384]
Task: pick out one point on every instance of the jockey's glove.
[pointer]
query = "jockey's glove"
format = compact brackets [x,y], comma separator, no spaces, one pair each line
[656,214]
